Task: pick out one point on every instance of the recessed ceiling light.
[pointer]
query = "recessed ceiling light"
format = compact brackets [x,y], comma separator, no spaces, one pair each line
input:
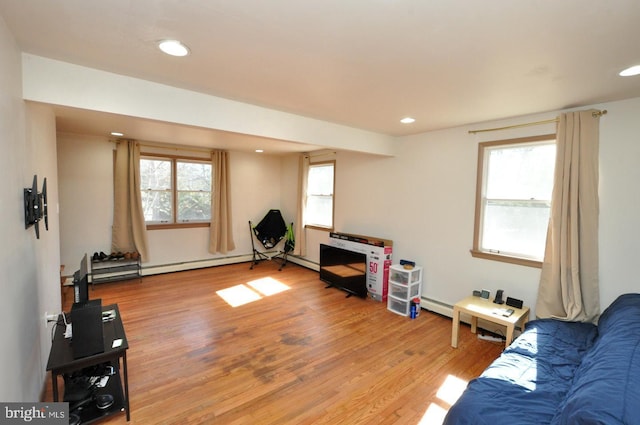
[117,134]
[259,150]
[407,120]
[634,70]
[173,48]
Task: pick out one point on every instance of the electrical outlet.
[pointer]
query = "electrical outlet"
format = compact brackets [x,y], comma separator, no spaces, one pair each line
[49,318]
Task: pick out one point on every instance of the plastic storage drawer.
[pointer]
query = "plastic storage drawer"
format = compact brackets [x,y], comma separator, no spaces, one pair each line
[402,291]
[398,306]
[401,276]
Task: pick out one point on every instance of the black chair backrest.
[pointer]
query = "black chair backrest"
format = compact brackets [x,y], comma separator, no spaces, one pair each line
[271,229]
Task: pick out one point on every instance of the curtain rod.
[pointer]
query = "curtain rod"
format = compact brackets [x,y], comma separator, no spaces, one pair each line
[595,114]
[310,155]
[170,146]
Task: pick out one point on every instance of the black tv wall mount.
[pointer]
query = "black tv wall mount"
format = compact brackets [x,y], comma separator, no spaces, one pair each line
[35,206]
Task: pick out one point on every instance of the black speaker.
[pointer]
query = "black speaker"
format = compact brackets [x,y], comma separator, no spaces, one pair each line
[87,338]
[498,299]
[514,302]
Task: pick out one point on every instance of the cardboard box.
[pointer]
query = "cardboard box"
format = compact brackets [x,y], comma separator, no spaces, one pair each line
[379,257]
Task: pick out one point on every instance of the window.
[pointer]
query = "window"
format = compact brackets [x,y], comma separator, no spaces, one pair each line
[175,191]
[319,208]
[513,199]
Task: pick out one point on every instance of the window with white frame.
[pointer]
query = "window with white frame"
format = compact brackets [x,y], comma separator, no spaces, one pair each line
[320,186]
[513,199]
[175,191]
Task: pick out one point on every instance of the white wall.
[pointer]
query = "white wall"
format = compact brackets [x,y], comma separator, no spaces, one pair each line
[29,283]
[619,199]
[85,174]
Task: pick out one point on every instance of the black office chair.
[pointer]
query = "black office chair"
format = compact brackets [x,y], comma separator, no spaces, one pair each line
[270,231]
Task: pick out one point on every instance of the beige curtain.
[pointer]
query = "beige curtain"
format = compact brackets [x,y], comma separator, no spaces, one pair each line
[303,173]
[568,287]
[221,233]
[129,232]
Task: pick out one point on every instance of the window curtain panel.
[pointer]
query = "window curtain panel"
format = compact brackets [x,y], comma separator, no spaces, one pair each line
[129,231]
[569,288]
[303,173]
[221,231]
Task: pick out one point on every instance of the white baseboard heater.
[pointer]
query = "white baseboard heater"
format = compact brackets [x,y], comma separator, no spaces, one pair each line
[221,261]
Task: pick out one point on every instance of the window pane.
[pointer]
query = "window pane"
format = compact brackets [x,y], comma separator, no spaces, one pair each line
[515,228]
[155,185]
[194,191]
[155,174]
[319,210]
[194,176]
[521,172]
[194,206]
[156,205]
[320,180]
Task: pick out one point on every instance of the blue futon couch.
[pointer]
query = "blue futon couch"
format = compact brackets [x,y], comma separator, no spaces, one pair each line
[562,373]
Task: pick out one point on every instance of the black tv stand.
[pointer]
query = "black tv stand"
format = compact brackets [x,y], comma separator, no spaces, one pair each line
[62,362]
[332,286]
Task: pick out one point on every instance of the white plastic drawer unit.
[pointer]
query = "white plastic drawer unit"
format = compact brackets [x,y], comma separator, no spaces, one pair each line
[404,285]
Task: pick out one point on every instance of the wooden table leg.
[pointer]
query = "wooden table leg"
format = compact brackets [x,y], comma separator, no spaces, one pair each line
[510,330]
[455,327]
[474,324]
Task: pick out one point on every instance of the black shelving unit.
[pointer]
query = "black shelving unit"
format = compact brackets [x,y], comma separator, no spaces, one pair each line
[112,270]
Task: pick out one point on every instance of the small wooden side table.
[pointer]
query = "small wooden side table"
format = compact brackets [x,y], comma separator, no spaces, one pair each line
[478,307]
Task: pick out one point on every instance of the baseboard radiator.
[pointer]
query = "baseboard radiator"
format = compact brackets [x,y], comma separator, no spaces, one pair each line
[437,306]
[221,261]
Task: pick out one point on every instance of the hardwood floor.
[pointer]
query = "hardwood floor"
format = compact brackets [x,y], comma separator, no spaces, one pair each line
[306,355]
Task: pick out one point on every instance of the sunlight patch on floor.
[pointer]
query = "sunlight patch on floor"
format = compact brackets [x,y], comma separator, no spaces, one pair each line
[268,286]
[242,294]
[433,416]
[449,392]
[238,295]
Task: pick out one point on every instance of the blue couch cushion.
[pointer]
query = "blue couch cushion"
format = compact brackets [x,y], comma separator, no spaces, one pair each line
[606,388]
[528,381]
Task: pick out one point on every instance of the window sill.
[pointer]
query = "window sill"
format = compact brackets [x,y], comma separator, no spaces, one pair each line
[505,258]
[176,226]
[325,229]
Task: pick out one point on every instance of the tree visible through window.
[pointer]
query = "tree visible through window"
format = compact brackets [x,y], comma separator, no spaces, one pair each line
[175,190]
[319,207]
[513,199]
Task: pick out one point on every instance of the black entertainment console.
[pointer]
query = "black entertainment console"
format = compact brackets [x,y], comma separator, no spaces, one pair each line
[344,269]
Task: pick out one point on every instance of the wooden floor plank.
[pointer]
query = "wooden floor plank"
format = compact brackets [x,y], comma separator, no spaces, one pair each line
[307,355]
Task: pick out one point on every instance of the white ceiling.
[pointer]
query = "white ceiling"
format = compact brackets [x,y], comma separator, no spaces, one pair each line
[361,63]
